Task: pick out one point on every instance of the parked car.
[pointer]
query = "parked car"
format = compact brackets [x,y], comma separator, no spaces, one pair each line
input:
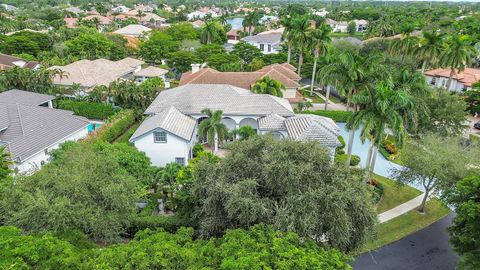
[477,125]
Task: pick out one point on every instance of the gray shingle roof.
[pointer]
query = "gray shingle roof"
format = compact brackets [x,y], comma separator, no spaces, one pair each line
[24,97]
[171,120]
[310,127]
[151,72]
[271,122]
[193,98]
[273,38]
[32,129]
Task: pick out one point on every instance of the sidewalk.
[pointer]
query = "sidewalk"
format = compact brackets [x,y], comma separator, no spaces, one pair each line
[401,209]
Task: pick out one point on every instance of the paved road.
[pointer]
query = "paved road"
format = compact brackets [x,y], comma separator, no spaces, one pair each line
[427,249]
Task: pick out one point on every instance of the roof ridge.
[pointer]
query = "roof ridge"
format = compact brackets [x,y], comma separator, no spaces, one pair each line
[20,118]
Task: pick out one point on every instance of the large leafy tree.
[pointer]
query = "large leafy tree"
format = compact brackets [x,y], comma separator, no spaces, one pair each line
[287,184]
[182,31]
[158,47]
[81,189]
[465,230]
[181,61]
[212,32]
[205,51]
[212,127]
[95,45]
[437,163]
[246,52]
[269,86]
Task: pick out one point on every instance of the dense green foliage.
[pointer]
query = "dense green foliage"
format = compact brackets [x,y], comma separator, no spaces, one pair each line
[258,247]
[286,184]
[90,110]
[465,231]
[115,126]
[87,187]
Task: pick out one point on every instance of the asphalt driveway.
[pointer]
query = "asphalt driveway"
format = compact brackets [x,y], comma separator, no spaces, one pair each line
[424,250]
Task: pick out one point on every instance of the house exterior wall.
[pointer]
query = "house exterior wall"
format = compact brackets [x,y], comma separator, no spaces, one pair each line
[440,82]
[36,161]
[266,48]
[289,93]
[161,154]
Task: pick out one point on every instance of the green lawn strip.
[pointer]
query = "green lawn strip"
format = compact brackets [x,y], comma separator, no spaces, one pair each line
[314,97]
[393,194]
[405,225]
[126,136]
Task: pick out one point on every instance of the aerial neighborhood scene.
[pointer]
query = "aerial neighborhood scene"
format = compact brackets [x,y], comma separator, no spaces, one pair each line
[268,134]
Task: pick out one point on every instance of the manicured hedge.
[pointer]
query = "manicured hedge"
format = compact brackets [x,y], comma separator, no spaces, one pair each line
[87,109]
[115,126]
[341,159]
[337,116]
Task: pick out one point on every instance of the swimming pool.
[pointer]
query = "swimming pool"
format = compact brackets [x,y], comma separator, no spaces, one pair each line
[93,126]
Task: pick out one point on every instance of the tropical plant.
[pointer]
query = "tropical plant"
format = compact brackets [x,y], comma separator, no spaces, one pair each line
[6,163]
[380,110]
[301,39]
[212,127]
[319,40]
[267,85]
[430,48]
[457,55]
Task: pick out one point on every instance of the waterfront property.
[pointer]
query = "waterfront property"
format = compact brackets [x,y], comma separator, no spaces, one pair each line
[170,131]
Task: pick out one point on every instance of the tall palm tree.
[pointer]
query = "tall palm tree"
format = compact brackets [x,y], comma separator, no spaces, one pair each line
[269,86]
[430,48]
[457,55]
[212,127]
[320,38]
[288,35]
[301,39]
[208,32]
[380,110]
[406,44]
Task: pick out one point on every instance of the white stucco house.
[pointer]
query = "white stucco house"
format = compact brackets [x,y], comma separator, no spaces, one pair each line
[268,42]
[30,128]
[170,130]
[461,81]
[152,72]
[337,26]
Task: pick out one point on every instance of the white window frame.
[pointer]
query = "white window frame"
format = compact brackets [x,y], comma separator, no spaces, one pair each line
[159,134]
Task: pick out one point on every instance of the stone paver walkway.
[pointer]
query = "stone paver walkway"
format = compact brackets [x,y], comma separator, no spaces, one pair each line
[401,209]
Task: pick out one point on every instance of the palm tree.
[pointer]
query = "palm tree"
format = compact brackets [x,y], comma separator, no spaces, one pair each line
[381,108]
[168,178]
[320,39]
[406,44]
[212,127]
[269,86]
[208,32]
[288,35]
[457,55]
[301,40]
[430,48]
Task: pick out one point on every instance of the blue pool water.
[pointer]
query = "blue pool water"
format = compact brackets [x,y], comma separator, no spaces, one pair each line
[235,22]
[93,126]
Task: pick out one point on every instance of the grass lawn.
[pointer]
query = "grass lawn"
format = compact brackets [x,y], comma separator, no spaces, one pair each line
[394,195]
[125,136]
[405,225]
[314,98]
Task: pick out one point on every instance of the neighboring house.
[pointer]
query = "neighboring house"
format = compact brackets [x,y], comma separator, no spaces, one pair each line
[152,72]
[198,24]
[283,73]
[30,128]
[103,22]
[322,12]
[133,30]
[151,19]
[268,42]
[461,81]
[170,130]
[120,9]
[361,25]
[74,10]
[71,22]
[337,26]
[144,8]
[233,36]
[196,15]
[88,74]
[8,61]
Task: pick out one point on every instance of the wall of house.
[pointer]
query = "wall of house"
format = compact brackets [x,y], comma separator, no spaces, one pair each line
[440,82]
[266,49]
[289,93]
[161,154]
[36,161]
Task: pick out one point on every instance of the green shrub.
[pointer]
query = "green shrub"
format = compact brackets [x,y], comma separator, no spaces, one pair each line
[114,127]
[197,149]
[337,116]
[168,223]
[90,110]
[342,158]
[340,150]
